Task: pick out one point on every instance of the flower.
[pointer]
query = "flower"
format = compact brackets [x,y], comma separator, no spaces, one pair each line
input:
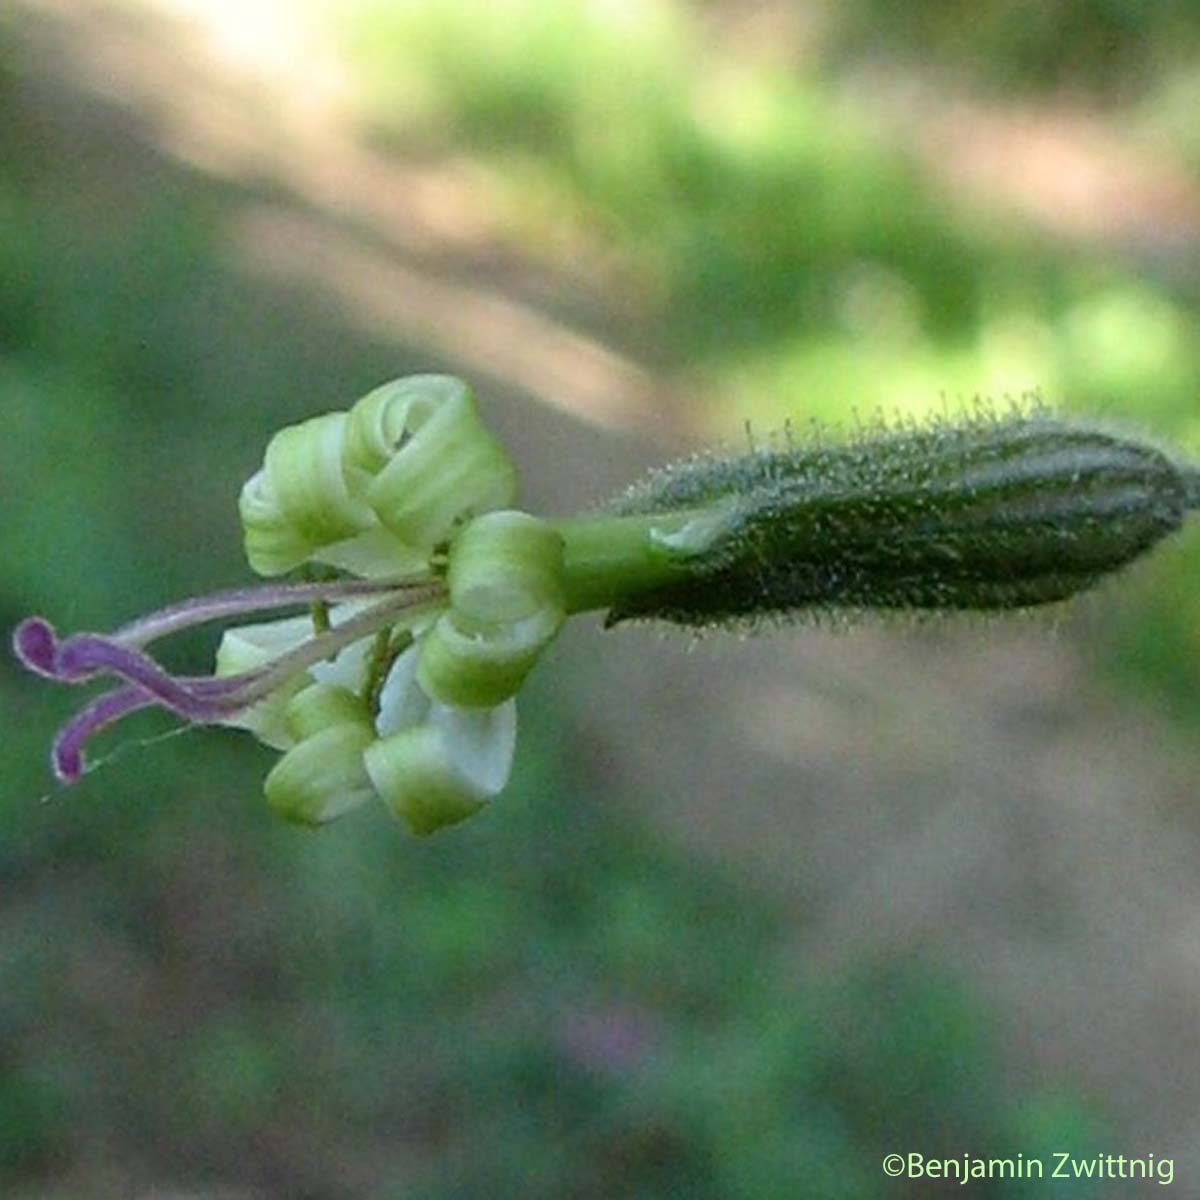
[439,597]
[400,681]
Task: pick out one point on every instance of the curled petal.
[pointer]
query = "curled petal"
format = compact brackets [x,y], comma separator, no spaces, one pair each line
[474,665]
[323,775]
[273,544]
[383,419]
[301,500]
[374,490]
[507,602]
[431,461]
[505,566]
[322,706]
[303,464]
[440,772]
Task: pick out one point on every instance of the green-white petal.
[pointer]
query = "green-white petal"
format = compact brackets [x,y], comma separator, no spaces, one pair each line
[505,566]
[432,462]
[245,647]
[322,706]
[301,500]
[477,665]
[402,703]
[376,553]
[273,545]
[441,772]
[507,602]
[323,776]
[304,466]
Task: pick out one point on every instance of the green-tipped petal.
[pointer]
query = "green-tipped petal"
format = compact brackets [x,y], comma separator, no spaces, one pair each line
[439,773]
[401,700]
[322,706]
[301,500]
[375,554]
[412,455]
[433,460]
[506,604]
[304,466]
[477,666]
[273,545]
[505,566]
[323,776]
[378,423]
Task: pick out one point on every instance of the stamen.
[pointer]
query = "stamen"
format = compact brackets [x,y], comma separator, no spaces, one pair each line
[205,699]
[36,645]
[66,758]
[384,652]
[86,655]
[237,601]
[266,679]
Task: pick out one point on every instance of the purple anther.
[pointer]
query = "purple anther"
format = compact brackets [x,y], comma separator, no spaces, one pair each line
[35,644]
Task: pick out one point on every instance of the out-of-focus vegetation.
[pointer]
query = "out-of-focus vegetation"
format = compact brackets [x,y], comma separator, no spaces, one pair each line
[548,1002]
[1110,50]
[786,254]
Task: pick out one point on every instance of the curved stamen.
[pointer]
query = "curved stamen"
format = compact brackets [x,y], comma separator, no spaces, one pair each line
[66,757]
[206,699]
[202,699]
[200,609]
[36,644]
[264,680]
[86,655]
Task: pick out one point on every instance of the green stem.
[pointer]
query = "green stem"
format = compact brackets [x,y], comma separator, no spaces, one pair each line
[607,559]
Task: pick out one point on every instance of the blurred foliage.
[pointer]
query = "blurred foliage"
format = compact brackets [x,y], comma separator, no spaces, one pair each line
[1110,49]
[549,1002]
[787,256]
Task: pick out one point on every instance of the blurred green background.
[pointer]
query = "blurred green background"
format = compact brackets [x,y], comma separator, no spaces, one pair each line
[637,227]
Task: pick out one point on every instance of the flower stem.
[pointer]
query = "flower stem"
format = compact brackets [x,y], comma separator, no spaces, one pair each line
[609,559]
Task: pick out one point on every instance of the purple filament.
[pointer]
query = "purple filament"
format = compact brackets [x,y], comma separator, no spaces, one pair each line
[201,609]
[66,758]
[89,654]
[207,699]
